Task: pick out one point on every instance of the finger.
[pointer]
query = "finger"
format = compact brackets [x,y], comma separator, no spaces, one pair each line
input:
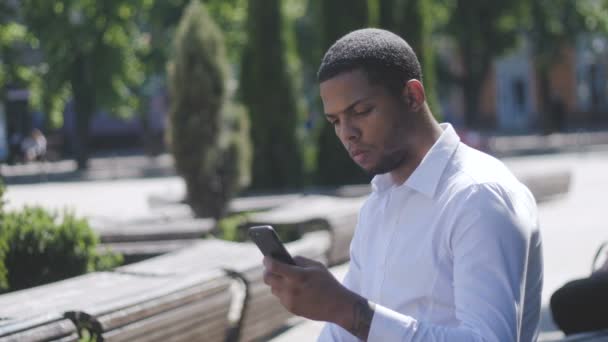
[273,280]
[282,269]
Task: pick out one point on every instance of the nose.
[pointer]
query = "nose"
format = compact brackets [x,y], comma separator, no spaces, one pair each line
[348,131]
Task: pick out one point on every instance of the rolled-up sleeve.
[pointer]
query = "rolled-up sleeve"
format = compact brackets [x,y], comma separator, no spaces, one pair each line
[489,248]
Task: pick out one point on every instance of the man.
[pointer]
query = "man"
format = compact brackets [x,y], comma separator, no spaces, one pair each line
[447,245]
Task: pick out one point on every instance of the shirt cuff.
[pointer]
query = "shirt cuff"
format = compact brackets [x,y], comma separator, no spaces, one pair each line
[389,325]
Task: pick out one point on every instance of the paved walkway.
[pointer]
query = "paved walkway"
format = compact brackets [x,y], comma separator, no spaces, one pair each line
[106,167]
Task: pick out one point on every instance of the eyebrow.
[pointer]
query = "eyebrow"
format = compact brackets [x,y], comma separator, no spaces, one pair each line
[350,107]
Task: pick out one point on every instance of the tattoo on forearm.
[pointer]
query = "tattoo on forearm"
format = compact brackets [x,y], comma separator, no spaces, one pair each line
[363,312]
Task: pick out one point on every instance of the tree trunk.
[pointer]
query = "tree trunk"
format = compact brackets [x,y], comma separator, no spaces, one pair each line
[84,105]
[476,65]
[469,86]
[545,120]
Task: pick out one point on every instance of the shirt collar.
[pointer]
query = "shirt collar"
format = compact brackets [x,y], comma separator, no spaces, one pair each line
[427,175]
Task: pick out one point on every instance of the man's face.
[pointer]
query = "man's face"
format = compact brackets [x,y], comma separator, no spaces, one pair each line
[370,122]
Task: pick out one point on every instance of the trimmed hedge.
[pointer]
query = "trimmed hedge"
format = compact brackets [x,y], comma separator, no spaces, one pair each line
[39,247]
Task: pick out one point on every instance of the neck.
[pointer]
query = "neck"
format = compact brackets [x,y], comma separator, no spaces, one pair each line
[423,138]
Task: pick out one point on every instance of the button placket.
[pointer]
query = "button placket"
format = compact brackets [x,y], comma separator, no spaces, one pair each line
[397,201]
[377,254]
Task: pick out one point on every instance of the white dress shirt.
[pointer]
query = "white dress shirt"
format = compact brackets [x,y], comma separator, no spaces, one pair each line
[453,254]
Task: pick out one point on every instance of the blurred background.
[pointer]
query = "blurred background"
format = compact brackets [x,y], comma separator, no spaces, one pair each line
[161,121]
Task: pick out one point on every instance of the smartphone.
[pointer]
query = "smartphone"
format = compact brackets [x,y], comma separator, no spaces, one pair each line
[269,243]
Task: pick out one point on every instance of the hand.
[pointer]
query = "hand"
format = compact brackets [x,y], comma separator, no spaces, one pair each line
[308,289]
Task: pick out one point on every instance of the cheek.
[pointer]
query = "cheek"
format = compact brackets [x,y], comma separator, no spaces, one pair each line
[379,132]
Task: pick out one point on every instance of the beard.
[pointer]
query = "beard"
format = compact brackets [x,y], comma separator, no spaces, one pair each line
[388,163]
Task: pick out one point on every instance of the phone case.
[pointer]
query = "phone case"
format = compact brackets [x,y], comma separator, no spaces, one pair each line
[269,243]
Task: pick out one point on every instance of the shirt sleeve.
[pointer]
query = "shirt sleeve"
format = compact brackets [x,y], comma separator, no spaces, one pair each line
[489,248]
[334,332]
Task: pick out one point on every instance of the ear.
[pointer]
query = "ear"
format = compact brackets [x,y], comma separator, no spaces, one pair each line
[413,94]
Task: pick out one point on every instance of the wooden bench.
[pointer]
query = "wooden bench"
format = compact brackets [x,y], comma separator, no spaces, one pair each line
[260,202]
[44,328]
[143,250]
[203,255]
[187,228]
[258,313]
[122,307]
[185,309]
[546,185]
[337,215]
[145,238]
[182,296]
[174,202]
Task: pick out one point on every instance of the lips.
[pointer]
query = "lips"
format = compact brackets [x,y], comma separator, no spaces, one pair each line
[358,155]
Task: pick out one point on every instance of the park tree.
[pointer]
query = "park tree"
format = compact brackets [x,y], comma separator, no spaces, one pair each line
[12,34]
[482,31]
[334,165]
[21,70]
[553,25]
[413,21]
[90,48]
[267,90]
[209,137]
[160,20]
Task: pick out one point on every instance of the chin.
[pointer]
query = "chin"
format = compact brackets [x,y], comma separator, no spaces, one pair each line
[386,166]
[373,170]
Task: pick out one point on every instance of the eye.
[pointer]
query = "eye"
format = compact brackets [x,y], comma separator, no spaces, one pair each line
[365,111]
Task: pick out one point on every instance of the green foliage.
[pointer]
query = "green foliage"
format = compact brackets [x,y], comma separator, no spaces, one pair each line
[15,70]
[334,165]
[208,139]
[160,19]
[228,227]
[233,228]
[38,247]
[90,49]
[268,92]
[87,336]
[231,17]
[336,24]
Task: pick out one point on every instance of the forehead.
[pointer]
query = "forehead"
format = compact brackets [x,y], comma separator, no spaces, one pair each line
[341,91]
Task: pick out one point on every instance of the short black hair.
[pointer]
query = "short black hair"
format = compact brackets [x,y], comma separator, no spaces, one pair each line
[385,57]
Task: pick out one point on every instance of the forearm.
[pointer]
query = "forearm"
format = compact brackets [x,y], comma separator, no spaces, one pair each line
[355,315]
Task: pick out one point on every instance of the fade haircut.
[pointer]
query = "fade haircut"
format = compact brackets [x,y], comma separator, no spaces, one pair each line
[383,56]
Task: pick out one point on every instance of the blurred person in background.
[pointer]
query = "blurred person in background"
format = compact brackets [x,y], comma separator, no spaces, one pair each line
[447,246]
[33,147]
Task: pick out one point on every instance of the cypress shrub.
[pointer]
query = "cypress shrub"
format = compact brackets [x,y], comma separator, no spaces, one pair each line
[268,93]
[334,165]
[208,137]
